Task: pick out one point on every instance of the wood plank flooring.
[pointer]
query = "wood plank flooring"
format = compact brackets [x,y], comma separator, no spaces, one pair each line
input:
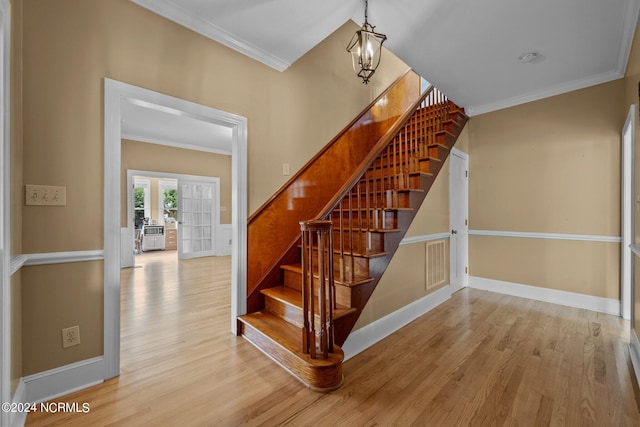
[479,359]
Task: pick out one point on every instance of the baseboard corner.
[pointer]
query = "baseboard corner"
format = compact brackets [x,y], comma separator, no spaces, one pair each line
[363,338]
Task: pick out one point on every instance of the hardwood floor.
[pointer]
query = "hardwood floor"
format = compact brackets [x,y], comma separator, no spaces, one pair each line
[479,359]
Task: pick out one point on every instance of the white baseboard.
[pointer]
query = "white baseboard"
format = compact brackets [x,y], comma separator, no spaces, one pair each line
[554,296]
[363,338]
[17,419]
[634,352]
[66,379]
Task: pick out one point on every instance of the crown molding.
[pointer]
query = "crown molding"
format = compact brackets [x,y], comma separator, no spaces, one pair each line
[172,12]
[475,110]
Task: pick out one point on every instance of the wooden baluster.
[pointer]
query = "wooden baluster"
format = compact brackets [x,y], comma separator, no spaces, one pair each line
[311,297]
[322,297]
[341,244]
[305,290]
[332,295]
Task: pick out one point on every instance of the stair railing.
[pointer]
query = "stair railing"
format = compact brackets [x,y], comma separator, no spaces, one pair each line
[359,209]
[317,237]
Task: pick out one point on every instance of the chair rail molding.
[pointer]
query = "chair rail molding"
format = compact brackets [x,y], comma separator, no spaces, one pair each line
[549,236]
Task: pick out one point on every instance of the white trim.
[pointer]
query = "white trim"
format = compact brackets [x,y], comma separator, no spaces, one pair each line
[63,257]
[474,110]
[424,238]
[363,338]
[554,296]
[164,185]
[176,144]
[457,152]
[115,93]
[17,262]
[550,236]
[176,14]
[145,184]
[634,352]
[64,380]
[627,191]
[18,419]
[631,20]
[5,210]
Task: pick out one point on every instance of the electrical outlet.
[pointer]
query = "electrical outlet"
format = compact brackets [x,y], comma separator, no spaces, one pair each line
[70,336]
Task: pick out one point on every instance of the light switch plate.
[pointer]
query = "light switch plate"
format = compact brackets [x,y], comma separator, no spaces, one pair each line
[45,195]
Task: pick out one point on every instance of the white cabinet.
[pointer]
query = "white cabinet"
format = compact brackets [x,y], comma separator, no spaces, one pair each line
[153,237]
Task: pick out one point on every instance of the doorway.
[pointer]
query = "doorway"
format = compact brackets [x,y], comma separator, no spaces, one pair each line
[458,219]
[118,95]
[186,208]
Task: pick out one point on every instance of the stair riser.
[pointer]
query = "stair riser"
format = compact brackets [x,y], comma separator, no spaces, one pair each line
[359,265]
[381,220]
[430,166]
[438,151]
[446,139]
[389,198]
[293,280]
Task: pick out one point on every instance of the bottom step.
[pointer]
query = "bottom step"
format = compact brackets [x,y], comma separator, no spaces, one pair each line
[282,342]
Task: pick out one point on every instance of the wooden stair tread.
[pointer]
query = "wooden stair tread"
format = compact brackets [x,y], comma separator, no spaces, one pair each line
[429,158]
[355,208]
[428,174]
[293,297]
[288,336]
[347,252]
[437,144]
[297,268]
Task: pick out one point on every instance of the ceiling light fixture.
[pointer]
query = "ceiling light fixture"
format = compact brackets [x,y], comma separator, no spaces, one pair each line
[366,48]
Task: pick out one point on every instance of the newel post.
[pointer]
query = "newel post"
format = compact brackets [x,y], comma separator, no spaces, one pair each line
[317,268]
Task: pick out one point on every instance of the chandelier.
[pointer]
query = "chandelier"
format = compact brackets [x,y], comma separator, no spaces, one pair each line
[366,48]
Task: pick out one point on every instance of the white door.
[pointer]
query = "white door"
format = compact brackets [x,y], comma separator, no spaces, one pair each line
[197,213]
[627,207]
[458,218]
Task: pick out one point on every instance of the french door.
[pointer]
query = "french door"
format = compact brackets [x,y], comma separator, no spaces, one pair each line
[197,201]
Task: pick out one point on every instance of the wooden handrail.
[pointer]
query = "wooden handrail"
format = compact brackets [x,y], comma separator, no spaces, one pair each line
[326,147]
[310,189]
[372,156]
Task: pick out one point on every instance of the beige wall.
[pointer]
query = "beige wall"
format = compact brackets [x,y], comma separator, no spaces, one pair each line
[53,299]
[161,158]
[550,166]
[69,47]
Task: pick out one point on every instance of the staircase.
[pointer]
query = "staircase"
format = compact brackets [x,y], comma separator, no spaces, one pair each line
[310,299]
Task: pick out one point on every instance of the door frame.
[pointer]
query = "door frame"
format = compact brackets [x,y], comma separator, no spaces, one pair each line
[116,93]
[627,188]
[5,211]
[463,232]
[131,173]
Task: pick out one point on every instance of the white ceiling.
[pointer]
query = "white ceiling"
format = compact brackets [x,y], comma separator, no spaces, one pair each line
[467,48]
[159,125]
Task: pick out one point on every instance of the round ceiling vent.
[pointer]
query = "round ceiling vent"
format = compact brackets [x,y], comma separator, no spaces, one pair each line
[529,57]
